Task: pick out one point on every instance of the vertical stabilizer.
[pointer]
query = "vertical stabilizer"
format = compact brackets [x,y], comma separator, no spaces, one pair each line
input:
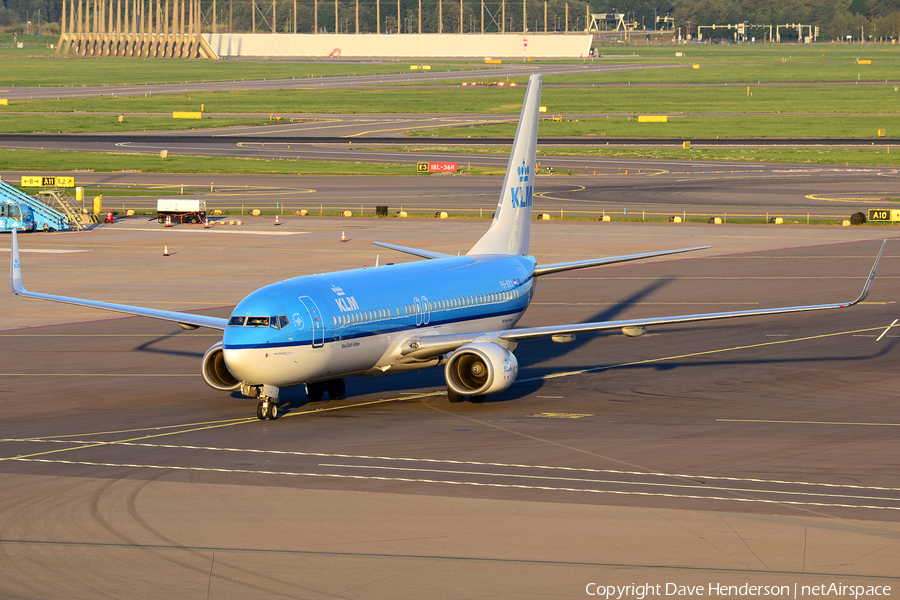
[511,228]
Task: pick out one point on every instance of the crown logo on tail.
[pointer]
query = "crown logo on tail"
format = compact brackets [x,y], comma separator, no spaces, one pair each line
[524,171]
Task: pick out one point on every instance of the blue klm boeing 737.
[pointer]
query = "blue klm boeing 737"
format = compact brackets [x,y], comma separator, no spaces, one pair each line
[459,311]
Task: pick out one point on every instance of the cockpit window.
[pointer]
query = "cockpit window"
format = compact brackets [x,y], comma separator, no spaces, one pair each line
[275,322]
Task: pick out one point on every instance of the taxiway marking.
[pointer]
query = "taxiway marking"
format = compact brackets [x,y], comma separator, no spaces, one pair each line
[219,229]
[45,251]
[464,483]
[787,422]
[475,463]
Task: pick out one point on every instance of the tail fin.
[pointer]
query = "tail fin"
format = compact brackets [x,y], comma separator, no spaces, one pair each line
[510,230]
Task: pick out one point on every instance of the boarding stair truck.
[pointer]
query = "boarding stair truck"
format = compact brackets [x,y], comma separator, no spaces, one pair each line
[24,212]
[181,210]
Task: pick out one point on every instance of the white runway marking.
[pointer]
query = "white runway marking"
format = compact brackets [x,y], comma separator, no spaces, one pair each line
[218,229]
[46,250]
[466,483]
[692,476]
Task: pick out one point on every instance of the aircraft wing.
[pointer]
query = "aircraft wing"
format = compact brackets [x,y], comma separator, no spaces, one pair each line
[413,251]
[597,262]
[434,345]
[186,320]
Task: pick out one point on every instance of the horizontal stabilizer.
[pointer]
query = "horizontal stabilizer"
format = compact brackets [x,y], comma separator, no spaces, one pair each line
[598,262]
[413,251]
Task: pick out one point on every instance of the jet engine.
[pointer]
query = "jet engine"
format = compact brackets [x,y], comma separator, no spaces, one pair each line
[216,373]
[481,368]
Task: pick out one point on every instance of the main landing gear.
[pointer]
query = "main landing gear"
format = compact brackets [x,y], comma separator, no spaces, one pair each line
[267,409]
[454,397]
[316,390]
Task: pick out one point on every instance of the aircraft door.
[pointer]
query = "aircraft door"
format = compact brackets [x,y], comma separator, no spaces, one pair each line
[426,313]
[315,319]
[423,317]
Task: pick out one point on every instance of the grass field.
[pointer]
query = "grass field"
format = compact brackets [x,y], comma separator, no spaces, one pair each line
[56,123]
[755,126]
[826,99]
[850,100]
[875,156]
[60,161]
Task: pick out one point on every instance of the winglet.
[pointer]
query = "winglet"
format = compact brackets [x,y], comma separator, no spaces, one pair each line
[15,271]
[870,278]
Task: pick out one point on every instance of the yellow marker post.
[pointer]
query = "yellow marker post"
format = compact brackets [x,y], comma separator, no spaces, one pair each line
[186,115]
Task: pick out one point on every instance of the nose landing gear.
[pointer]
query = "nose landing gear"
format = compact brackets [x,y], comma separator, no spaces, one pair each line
[267,409]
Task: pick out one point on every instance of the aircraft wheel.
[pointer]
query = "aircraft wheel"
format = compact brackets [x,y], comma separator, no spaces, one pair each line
[336,389]
[314,391]
[454,397]
[260,413]
[477,399]
[272,412]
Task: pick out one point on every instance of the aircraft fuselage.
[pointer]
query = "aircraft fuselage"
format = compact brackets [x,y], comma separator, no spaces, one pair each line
[322,327]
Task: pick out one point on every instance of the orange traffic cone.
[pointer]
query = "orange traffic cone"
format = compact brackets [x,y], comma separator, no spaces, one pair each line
[206,223]
[276,220]
[343,237]
[166,250]
[168,221]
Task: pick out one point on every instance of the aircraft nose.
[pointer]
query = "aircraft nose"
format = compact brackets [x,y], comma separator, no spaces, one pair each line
[242,363]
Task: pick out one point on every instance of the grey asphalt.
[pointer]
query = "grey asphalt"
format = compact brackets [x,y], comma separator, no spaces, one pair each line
[620,188]
[760,451]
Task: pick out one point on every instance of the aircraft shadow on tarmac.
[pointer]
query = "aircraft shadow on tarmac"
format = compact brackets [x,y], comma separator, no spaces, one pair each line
[532,354]
[148,347]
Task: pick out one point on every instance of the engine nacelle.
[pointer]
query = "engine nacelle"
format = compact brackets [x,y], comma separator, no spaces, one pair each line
[216,373]
[481,368]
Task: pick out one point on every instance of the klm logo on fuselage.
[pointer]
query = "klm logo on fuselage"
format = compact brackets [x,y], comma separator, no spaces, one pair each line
[347,303]
[522,194]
